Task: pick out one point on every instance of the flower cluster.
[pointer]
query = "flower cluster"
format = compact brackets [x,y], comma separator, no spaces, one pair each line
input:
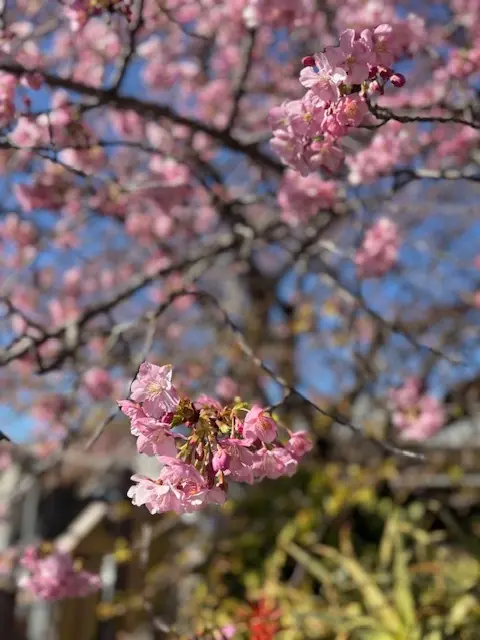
[55,575]
[301,198]
[216,445]
[394,144]
[416,414]
[379,250]
[79,11]
[278,12]
[306,132]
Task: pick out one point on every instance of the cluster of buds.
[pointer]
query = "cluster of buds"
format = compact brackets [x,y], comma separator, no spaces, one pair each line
[54,575]
[202,445]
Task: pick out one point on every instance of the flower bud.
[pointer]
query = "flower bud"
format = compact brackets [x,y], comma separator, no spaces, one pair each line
[308,61]
[220,460]
[398,80]
[384,73]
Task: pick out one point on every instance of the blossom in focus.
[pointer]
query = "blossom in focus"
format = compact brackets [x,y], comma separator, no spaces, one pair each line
[323,79]
[153,386]
[215,445]
[153,435]
[306,131]
[351,55]
[179,487]
[258,424]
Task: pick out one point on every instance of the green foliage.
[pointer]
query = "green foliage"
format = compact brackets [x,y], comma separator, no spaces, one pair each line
[343,559]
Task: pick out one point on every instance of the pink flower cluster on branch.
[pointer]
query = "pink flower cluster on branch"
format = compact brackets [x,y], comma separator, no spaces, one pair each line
[378,253]
[307,132]
[301,198]
[79,11]
[394,144]
[222,444]
[416,415]
[56,575]
[278,12]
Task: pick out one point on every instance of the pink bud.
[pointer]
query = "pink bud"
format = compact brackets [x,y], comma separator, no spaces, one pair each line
[384,73]
[308,61]
[167,417]
[220,460]
[398,80]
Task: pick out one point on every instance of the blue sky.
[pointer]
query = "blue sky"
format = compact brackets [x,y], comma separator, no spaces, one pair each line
[314,363]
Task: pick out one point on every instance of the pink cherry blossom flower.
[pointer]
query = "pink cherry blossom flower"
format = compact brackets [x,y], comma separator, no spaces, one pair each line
[324,154]
[274,463]
[55,576]
[299,444]
[382,45]
[98,383]
[220,460]
[258,424]
[157,496]
[205,400]
[179,488]
[240,460]
[301,198]
[300,117]
[417,415]
[226,388]
[351,110]
[153,435]
[324,82]
[153,386]
[379,250]
[219,447]
[351,55]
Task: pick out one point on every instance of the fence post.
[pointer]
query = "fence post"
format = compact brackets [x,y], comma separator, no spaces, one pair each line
[87,538]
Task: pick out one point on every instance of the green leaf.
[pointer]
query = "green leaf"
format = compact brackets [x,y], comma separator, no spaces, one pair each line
[459,612]
[402,588]
[374,599]
[311,564]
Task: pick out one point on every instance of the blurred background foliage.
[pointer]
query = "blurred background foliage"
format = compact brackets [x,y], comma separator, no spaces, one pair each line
[335,553]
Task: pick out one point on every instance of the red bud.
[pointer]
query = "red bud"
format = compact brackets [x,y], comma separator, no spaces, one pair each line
[398,80]
[308,61]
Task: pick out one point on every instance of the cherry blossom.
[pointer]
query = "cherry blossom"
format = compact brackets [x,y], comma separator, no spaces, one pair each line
[301,198]
[153,387]
[224,443]
[323,79]
[257,424]
[55,576]
[379,250]
[416,415]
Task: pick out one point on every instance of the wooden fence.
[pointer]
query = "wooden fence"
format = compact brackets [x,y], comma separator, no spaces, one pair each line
[129,549]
